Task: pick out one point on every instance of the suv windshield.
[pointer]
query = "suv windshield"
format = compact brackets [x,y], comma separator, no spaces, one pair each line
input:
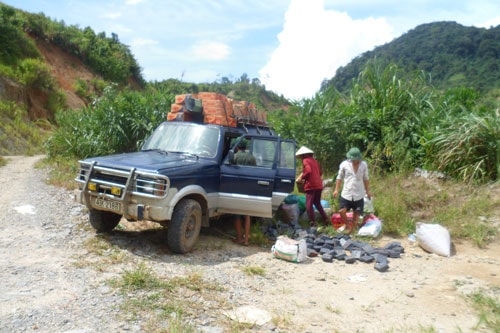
[186,138]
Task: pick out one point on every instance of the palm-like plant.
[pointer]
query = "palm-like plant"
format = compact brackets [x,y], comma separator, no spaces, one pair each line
[468,148]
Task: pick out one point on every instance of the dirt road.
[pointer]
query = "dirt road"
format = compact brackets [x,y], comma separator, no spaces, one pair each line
[52,279]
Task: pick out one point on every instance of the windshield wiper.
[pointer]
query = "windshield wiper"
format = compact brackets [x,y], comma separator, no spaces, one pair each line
[184,153]
[156,150]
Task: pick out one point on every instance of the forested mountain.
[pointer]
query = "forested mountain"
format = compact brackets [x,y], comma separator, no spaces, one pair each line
[452,54]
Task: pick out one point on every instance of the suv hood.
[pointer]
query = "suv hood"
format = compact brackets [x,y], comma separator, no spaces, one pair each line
[152,161]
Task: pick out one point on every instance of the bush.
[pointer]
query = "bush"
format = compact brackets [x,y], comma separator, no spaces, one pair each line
[35,74]
[118,121]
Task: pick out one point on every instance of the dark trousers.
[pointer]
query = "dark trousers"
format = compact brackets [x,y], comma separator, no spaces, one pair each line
[313,198]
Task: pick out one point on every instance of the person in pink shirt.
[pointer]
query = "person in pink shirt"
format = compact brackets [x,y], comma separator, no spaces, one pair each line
[313,184]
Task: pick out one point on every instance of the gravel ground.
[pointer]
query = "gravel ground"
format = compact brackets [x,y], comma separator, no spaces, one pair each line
[42,289]
[56,275]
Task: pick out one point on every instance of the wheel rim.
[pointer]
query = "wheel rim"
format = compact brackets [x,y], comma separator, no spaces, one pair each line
[190,227]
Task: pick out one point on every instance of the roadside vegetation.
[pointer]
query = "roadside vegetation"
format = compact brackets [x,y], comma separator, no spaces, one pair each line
[399,125]
[18,135]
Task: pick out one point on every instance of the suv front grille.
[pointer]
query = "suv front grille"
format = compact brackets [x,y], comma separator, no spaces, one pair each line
[116,182]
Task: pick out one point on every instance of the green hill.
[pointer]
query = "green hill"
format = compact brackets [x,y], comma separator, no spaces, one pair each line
[454,55]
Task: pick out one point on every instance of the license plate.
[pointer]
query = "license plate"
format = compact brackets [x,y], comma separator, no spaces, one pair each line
[108,204]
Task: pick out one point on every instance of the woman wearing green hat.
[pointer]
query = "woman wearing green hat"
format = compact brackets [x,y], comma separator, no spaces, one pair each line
[354,173]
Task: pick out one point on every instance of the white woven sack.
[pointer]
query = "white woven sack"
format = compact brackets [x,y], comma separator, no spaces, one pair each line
[290,249]
[434,238]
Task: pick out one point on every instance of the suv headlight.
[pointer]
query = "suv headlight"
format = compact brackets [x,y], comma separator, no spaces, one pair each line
[151,186]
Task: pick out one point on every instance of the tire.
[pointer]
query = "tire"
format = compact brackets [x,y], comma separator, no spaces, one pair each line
[184,228]
[103,221]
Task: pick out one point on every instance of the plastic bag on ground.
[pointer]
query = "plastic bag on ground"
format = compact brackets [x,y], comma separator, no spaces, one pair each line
[372,227]
[368,206]
[434,238]
[292,212]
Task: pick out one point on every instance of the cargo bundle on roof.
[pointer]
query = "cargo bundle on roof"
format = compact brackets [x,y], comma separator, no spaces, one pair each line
[214,108]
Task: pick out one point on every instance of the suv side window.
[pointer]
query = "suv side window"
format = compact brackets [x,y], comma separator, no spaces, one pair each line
[264,152]
[287,155]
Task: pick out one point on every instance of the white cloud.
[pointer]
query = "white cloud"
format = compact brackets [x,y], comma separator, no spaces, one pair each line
[314,42]
[210,50]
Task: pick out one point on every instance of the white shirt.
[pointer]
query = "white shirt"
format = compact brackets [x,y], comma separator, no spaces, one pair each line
[354,186]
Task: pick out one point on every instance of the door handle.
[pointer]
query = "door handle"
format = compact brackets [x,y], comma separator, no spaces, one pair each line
[263,182]
[286,181]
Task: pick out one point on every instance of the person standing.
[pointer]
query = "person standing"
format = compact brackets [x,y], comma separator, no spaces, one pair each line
[243,157]
[313,184]
[353,172]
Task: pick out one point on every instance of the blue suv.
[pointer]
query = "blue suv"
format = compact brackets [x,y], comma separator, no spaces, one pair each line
[184,176]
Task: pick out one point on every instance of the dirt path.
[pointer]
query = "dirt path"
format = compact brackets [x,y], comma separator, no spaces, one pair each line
[53,281]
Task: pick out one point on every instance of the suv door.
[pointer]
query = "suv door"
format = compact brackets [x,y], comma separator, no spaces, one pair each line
[285,174]
[246,189]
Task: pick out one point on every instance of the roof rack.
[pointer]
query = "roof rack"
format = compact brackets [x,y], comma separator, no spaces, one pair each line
[218,109]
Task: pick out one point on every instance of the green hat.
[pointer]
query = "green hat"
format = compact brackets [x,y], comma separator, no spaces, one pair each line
[242,144]
[354,154]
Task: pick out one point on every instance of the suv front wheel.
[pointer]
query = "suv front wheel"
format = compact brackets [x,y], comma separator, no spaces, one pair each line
[184,228]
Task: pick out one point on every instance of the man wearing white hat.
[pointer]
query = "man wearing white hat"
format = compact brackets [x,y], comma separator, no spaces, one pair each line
[313,184]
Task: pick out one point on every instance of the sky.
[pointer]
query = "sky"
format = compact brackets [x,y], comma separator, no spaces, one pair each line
[291,46]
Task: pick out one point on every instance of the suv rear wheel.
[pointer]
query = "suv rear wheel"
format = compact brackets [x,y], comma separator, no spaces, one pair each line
[184,228]
[103,221]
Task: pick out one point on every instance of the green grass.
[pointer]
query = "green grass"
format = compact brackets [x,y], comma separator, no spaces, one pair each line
[402,200]
[141,277]
[61,171]
[163,302]
[254,270]
[487,307]
[18,135]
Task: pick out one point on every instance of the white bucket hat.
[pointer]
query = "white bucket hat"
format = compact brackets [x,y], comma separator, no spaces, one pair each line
[303,151]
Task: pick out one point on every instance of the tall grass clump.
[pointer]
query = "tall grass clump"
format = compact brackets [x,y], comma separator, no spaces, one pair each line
[400,122]
[468,147]
[118,121]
